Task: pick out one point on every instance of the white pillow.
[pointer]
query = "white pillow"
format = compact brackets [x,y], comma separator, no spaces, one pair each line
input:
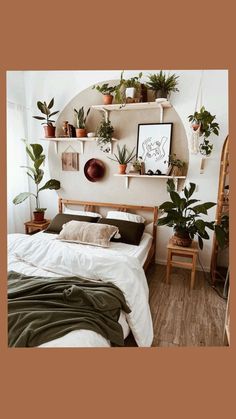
[149,229]
[76,212]
[121,215]
[88,233]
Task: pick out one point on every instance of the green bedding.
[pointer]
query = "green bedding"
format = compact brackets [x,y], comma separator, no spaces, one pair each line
[42,309]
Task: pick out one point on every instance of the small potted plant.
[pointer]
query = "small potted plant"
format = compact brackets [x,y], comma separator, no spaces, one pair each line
[35,153]
[177,165]
[49,128]
[81,122]
[132,87]
[104,135]
[106,91]
[205,122]
[136,166]
[184,216]
[162,84]
[123,157]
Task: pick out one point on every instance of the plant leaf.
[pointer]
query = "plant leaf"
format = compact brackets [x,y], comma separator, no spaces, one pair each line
[51,103]
[51,184]
[21,197]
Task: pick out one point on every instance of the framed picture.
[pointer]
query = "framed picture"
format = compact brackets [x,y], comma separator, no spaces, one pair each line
[153,146]
[70,161]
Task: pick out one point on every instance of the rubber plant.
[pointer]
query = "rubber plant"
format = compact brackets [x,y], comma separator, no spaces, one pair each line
[35,172]
[49,128]
[184,215]
[208,126]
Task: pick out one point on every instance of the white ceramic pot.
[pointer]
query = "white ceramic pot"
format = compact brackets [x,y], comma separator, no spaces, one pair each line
[130,92]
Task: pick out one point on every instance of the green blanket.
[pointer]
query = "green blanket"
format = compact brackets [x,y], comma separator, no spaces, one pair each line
[42,309]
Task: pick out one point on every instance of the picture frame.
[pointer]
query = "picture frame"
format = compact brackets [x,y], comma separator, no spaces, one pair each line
[154,145]
[70,161]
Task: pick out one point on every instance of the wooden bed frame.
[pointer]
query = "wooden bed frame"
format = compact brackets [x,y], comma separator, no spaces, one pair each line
[93,206]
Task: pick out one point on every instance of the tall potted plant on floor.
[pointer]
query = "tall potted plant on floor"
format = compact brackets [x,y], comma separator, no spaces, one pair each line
[49,128]
[35,153]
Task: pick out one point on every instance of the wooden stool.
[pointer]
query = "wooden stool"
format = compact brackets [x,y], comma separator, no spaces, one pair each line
[186,252]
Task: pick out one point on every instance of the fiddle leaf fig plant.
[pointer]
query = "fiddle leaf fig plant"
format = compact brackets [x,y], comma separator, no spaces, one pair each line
[35,172]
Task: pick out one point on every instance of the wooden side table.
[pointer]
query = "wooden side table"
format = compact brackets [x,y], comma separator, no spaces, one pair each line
[186,252]
[32,226]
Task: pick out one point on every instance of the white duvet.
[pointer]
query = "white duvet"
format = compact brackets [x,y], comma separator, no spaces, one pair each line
[44,255]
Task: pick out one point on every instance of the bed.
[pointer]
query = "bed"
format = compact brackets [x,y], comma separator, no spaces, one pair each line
[123,265]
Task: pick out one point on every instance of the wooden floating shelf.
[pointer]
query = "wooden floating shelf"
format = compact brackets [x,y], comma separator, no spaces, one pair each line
[131,175]
[132,106]
[82,140]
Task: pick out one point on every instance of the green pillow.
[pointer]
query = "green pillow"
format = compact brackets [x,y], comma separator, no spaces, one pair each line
[131,232]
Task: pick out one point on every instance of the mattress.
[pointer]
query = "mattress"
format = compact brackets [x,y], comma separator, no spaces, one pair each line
[139,252]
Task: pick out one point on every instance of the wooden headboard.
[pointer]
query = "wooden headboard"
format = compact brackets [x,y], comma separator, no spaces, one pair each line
[94,206]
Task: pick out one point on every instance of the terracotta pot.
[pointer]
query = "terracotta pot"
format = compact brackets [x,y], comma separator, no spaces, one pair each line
[81,132]
[122,169]
[195,126]
[107,99]
[181,238]
[176,171]
[49,131]
[38,216]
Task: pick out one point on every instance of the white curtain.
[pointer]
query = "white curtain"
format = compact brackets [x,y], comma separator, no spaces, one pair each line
[17,179]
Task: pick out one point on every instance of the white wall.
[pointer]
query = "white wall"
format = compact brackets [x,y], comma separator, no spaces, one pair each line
[65,85]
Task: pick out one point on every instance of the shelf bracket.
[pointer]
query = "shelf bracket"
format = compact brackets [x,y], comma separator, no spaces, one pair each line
[161,113]
[127,182]
[202,165]
[106,114]
[56,146]
[82,147]
[175,180]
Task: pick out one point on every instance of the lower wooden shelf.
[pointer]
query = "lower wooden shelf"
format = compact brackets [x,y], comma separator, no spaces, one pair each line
[132,175]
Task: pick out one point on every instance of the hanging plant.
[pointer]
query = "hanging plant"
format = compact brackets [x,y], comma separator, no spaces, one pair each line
[104,135]
[205,124]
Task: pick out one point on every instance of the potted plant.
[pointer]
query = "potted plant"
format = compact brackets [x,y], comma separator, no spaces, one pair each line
[162,84]
[177,165]
[106,91]
[132,86]
[104,135]
[206,122]
[123,157]
[49,128]
[35,153]
[184,216]
[136,166]
[81,122]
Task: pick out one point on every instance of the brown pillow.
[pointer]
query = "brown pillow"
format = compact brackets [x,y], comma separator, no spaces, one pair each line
[88,233]
[56,224]
[130,231]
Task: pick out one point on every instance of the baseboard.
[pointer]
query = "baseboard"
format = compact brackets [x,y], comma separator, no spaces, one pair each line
[198,267]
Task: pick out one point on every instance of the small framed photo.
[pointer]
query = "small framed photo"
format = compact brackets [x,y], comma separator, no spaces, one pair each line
[153,146]
[70,161]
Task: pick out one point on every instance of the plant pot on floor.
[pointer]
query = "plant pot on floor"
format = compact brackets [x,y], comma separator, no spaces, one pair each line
[49,131]
[107,99]
[181,238]
[38,216]
[81,132]
[122,169]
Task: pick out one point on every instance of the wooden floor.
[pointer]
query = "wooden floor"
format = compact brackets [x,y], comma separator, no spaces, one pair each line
[182,317]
